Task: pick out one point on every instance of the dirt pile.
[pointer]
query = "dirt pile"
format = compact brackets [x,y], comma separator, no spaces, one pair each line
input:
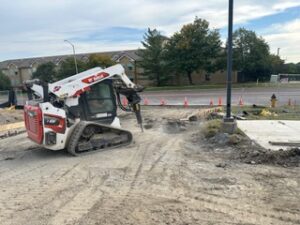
[286,158]
[241,148]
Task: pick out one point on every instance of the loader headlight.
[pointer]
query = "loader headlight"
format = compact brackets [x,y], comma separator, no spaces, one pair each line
[54,122]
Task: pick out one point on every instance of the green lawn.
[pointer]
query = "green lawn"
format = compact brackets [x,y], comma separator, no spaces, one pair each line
[278,113]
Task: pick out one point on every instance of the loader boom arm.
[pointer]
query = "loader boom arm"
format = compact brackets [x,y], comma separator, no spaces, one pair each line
[75,85]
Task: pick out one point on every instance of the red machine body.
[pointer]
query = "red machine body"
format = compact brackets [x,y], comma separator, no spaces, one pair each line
[34,123]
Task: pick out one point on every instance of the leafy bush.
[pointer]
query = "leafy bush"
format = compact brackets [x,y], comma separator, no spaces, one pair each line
[5,83]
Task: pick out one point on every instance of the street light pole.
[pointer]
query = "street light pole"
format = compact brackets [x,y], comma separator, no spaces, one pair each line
[229,124]
[73,54]
[229,60]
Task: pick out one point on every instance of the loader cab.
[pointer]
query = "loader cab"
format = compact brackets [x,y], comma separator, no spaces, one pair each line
[99,103]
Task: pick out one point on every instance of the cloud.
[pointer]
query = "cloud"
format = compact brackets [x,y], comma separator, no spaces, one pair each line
[286,36]
[38,27]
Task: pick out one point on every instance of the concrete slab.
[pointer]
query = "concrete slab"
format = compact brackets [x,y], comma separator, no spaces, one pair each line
[263,131]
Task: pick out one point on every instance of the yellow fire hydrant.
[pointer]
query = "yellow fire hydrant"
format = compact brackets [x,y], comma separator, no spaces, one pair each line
[273,101]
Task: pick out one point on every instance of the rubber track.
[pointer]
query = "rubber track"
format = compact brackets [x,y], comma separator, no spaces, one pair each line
[75,136]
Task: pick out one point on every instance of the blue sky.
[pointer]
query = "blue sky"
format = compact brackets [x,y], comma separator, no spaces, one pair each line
[261,25]
[38,27]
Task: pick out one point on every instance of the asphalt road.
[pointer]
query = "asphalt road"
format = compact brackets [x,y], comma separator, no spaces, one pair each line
[259,96]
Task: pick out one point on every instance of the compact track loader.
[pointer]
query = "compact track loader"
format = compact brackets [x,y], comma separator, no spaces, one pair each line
[79,113]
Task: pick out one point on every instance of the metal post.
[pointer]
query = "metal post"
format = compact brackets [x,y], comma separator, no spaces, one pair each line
[229,60]
[73,55]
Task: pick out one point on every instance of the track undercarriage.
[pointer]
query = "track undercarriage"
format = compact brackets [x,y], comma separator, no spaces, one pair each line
[91,137]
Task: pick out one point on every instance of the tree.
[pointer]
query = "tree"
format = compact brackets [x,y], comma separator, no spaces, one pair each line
[67,68]
[194,48]
[152,56]
[45,72]
[277,64]
[251,55]
[99,60]
[291,68]
[5,83]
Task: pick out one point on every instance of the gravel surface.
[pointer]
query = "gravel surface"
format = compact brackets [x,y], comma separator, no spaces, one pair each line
[10,116]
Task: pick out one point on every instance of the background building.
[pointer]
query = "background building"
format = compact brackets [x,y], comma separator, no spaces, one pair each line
[19,70]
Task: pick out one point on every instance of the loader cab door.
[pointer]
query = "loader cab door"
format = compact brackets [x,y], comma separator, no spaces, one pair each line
[99,104]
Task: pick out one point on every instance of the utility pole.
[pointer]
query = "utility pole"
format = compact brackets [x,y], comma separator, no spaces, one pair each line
[229,60]
[278,51]
[75,62]
[229,124]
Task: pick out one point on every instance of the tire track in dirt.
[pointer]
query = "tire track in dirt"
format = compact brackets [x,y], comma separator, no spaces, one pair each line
[257,212]
[14,174]
[45,190]
[158,160]
[246,213]
[155,180]
[34,196]
[146,162]
[119,202]
[73,210]
[239,207]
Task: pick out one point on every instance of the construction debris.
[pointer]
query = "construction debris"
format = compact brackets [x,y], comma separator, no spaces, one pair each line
[266,112]
[283,143]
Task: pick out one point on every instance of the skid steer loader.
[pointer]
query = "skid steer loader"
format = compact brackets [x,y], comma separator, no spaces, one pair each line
[79,113]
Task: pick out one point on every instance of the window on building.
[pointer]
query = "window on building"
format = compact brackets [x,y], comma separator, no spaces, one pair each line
[207,77]
[34,67]
[130,66]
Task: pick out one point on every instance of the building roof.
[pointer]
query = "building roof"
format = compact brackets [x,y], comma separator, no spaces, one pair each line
[29,62]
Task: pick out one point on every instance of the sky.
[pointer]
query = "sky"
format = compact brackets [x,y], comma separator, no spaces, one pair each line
[32,28]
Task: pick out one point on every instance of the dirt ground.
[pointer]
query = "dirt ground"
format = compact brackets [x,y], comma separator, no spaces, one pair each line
[168,175]
[10,116]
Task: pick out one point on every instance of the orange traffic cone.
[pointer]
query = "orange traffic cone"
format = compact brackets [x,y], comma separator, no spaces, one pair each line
[162,102]
[220,101]
[124,101]
[290,102]
[185,103]
[146,101]
[241,102]
[211,102]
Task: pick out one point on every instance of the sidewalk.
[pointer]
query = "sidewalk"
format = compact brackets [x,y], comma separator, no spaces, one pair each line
[264,131]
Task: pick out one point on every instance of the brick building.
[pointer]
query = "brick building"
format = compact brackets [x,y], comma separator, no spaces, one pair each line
[19,70]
